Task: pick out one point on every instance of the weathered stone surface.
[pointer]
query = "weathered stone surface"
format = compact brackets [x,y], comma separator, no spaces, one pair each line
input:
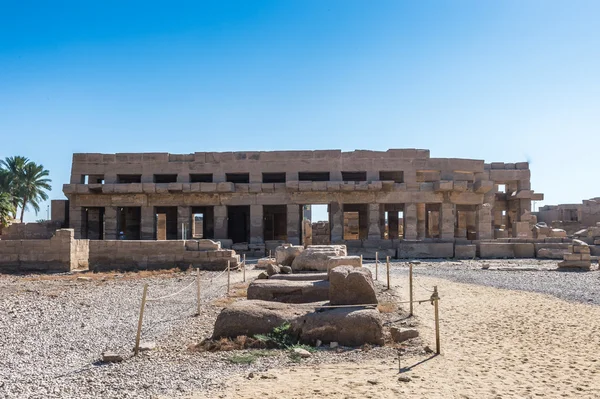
[496,250]
[300,276]
[574,264]
[524,250]
[335,261]
[350,285]
[403,334]
[346,326]
[262,263]
[272,270]
[285,254]
[286,269]
[465,251]
[289,291]
[253,317]
[315,257]
[425,250]
[262,276]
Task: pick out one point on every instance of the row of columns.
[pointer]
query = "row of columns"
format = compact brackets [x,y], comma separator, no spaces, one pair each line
[414,222]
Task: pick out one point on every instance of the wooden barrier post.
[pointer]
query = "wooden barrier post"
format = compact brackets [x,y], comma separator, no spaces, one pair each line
[387,262]
[244,268]
[197,290]
[228,275]
[410,286]
[361,260]
[436,298]
[269,254]
[139,329]
[376,265]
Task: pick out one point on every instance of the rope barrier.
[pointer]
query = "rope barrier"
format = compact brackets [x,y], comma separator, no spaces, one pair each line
[171,295]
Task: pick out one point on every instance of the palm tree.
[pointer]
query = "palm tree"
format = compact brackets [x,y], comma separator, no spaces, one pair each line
[6,209]
[11,176]
[31,186]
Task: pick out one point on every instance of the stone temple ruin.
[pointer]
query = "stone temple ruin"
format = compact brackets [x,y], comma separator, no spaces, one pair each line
[399,203]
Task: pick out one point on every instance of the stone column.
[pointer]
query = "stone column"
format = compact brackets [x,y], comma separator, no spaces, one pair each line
[410,221]
[147,222]
[293,224]
[256,224]
[421,221]
[184,217]
[447,220]
[336,222]
[76,219]
[220,218]
[110,223]
[374,218]
[483,217]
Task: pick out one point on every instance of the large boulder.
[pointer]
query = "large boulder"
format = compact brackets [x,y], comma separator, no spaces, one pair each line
[285,254]
[350,285]
[289,291]
[272,270]
[253,317]
[347,326]
[315,257]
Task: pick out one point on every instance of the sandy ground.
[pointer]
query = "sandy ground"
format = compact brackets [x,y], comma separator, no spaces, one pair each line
[495,344]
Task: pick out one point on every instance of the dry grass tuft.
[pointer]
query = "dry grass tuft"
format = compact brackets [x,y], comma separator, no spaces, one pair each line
[226,344]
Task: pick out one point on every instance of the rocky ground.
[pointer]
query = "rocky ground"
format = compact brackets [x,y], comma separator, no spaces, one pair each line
[53,329]
[515,274]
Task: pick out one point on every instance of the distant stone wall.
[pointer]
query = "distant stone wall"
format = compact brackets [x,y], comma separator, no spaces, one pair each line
[131,255]
[61,253]
[30,231]
[320,233]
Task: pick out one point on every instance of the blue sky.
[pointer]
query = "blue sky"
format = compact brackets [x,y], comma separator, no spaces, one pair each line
[500,81]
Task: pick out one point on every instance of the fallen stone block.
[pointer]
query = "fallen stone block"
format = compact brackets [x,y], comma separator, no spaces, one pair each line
[346,326]
[403,334]
[262,263]
[253,317]
[289,291]
[315,257]
[285,254]
[335,261]
[350,285]
[272,270]
[575,264]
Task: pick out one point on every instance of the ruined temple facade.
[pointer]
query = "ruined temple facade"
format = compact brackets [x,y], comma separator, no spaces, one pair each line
[257,197]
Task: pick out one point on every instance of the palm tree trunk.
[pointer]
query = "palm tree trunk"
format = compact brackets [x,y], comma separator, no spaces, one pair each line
[23,208]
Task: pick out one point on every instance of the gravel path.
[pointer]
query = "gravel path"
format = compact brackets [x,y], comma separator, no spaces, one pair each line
[518,274]
[53,331]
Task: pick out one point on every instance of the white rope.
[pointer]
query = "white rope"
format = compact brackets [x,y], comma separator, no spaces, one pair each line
[170,295]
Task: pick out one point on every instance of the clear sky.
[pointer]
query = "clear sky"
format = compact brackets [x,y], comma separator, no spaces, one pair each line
[501,81]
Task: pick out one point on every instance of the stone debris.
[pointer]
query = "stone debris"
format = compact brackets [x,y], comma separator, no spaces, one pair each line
[403,334]
[111,357]
[579,257]
[303,353]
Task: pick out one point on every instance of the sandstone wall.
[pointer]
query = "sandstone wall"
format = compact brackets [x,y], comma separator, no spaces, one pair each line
[131,255]
[30,231]
[60,253]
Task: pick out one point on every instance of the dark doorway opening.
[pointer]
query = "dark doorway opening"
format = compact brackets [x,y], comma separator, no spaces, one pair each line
[275,222]
[94,224]
[129,223]
[238,223]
